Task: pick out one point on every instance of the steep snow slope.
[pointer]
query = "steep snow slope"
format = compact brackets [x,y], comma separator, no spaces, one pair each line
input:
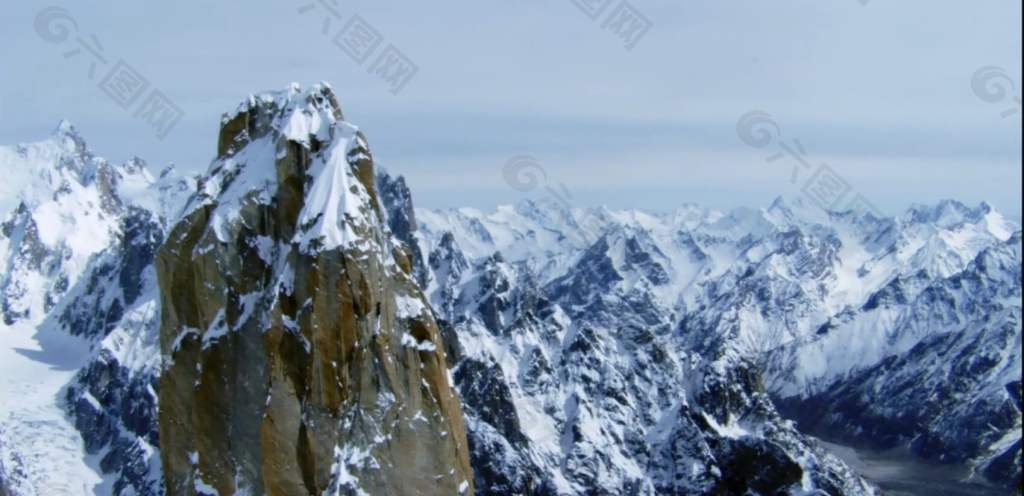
[572,378]
[603,352]
[955,394]
[77,293]
[814,301]
[82,306]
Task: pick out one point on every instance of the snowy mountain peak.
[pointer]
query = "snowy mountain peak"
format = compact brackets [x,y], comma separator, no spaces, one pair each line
[594,351]
[778,203]
[998,224]
[60,205]
[260,149]
[690,215]
[135,165]
[303,278]
[946,213]
[63,166]
[64,128]
[813,298]
[75,150]
[299,115]
[540,209]
[797,211]
[68,137]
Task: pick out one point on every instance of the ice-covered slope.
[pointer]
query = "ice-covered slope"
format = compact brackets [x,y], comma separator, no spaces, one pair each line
[78,304]
[955,394]
[572,378]
[811,300]
[278,344]
[645,354]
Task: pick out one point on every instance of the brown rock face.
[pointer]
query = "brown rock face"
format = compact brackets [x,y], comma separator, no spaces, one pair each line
[299,355]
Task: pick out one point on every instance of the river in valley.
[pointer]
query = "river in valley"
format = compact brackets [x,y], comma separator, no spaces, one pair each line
[899,473]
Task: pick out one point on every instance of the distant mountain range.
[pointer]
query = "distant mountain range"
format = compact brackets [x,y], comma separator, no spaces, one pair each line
[873,332]
[290,323]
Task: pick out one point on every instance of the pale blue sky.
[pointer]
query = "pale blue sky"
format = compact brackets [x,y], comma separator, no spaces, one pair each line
[881,92]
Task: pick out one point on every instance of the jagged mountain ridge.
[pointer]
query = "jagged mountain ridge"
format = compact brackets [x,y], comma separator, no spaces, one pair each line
[575,371]
[79,303]
[98,315]
[822,304]
[104,407]
[963,374]
[571,379]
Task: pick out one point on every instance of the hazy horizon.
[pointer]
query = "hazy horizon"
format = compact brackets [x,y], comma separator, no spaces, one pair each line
[881,92]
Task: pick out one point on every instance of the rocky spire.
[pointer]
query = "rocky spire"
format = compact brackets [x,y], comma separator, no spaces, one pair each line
[299,354]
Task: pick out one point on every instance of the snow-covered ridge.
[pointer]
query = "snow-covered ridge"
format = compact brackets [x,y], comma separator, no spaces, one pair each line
[247,171]
[624,359]
[77,340]
[61,205]
[697,245]
[815,300]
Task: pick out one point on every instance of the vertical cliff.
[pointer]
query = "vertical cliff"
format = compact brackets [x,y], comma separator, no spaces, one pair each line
[299,355]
